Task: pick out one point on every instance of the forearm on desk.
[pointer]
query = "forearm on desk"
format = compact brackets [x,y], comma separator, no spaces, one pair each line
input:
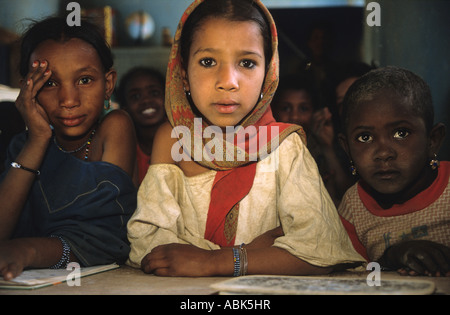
[271,260]
[21,253]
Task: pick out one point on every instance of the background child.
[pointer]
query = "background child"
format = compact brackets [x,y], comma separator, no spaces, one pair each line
[193,214]
[141,94]
[67,193]
[399,210]
[295,102]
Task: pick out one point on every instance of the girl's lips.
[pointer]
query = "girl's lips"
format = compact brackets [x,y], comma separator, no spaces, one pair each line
[226,108]
[72,121]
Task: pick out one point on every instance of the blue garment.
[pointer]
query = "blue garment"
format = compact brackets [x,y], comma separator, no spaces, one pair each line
[86,203]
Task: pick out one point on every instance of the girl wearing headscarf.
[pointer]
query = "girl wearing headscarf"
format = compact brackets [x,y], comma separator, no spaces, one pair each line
[230,191]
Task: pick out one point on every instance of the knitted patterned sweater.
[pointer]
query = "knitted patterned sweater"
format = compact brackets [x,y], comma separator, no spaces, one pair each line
[372,229]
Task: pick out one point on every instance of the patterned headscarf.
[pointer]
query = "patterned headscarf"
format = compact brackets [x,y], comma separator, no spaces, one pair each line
[234,178]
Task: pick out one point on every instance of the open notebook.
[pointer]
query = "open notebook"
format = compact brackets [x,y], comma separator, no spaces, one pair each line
[287,285]
[38,278]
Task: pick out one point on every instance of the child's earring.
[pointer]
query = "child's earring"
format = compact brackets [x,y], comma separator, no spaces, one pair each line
[353,168]
[434,163]
[188,93]
[261,96]
[107,104]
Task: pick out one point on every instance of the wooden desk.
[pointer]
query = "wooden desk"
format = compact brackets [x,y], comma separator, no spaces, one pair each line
[442,284]
[127,281]
[130,281]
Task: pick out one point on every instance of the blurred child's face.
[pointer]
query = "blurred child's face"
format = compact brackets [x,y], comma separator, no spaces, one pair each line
[145,100]
[341,89]
[389,145]
[294,106]
[74,95]
[226,70]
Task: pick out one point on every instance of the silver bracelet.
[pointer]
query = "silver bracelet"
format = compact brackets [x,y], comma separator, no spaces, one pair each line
[65,258]
[20,166]
[244,261]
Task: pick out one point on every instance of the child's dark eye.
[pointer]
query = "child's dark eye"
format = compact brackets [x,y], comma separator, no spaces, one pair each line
[305,109]
[246,63]
[207,62]
[85,80]
[364,138]
[134,97]
[156,93]
[401,134]
[286,108]
[50,83]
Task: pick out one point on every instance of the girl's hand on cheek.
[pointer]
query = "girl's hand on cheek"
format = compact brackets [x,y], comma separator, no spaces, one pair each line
[33,113]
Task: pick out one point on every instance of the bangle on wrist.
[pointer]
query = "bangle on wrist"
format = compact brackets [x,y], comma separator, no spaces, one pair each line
[65,258]
[240,261]
[244,262]
[237,262]
[19,166]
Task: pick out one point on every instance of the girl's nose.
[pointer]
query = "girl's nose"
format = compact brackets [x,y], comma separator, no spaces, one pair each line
[227,78]
[69,97]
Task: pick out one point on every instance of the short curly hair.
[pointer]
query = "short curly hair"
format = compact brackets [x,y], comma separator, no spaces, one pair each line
[404,83]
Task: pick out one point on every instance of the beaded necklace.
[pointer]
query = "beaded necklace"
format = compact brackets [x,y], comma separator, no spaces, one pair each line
[87,144]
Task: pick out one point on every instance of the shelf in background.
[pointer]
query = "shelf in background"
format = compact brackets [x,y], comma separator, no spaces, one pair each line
[126,58]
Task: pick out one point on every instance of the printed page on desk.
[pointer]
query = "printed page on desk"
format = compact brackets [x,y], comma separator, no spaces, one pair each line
[287,285]
[38,278]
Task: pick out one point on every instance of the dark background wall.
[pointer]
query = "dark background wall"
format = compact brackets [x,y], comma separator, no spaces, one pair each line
[414,34]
